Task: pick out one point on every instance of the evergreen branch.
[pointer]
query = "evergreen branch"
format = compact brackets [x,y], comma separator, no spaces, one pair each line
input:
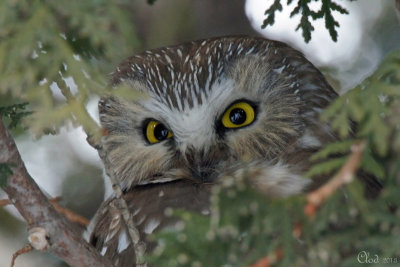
[94,140]
[305,24]
[15,113]
[44,222]
[70,44]
[75,105]
[302,8]
[373,105]
[330,23]
[344,176]
[333,149]
[270,13]
[81,114]
[326,167]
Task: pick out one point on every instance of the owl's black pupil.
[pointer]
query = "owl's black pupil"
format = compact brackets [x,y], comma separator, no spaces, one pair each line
[160,132]
[237,116]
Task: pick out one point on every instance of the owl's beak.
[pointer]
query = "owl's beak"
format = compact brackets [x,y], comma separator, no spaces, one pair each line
[203,174]
[201,165]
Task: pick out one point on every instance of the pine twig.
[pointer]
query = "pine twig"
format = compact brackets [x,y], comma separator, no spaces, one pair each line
[344,176]
[64,241]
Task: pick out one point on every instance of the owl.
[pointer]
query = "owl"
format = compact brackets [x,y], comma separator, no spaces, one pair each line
[208,109]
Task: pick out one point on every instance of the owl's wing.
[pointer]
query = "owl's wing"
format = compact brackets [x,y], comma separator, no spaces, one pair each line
[147,205]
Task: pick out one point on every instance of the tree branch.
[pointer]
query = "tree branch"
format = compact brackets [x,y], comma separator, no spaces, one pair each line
[94,140]
[344,176]
[138,245]
[60,238]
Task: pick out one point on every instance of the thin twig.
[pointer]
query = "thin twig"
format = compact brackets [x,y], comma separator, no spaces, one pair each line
[26,249]
[344,176]
[138,245]
[65,241]
[4,202]
[71,216]
[94,140]
[270,259]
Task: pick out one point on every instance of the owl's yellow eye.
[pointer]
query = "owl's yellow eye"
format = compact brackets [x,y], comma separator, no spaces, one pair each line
[238,115]
[156,132]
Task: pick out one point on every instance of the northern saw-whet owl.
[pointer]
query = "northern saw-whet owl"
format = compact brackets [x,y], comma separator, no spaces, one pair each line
[211,108]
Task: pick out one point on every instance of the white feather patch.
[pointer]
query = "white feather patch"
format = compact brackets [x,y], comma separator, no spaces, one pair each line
[123,242]
[151,226]
[103,250]
[309,140]
[278,180]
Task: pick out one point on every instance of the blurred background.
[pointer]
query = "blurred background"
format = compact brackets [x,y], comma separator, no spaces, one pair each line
[65,165]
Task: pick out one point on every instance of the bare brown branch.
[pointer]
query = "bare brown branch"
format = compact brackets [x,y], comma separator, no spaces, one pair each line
[64,241]
[71,216]
[344,176]
[270,259]
[4,202]
[263,262]
[26,249]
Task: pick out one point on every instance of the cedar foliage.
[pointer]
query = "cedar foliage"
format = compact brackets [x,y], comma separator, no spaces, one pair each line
[245,227]
[44,43]
[303,9]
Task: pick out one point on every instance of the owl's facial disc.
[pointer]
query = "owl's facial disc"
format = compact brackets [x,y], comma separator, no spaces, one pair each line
[203,148]
[212,105]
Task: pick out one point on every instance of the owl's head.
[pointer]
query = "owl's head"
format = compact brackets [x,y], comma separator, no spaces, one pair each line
[212,107]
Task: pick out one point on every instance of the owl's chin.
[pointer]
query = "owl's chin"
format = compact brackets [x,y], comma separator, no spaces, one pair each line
[275,180]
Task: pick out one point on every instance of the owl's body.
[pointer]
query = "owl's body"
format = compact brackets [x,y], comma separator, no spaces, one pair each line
[211,109]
